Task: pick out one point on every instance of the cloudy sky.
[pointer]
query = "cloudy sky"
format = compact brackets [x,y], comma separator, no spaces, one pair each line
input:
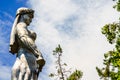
[75,24]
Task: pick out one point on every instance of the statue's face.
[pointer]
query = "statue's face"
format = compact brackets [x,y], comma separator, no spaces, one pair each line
[28,18]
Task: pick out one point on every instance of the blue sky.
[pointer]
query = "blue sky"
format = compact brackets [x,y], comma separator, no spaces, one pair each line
[75,24]
[7,14]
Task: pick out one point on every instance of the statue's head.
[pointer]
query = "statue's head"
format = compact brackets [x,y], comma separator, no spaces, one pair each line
[26,14]
[23,10]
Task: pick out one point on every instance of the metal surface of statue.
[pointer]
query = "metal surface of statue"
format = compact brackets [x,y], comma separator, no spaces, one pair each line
[29,60]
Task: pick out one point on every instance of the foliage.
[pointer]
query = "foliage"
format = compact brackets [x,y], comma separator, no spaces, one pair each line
[110,30]
[111,71]
[62,73]
[75,75]
[117,6]
[112,58]
[112,66]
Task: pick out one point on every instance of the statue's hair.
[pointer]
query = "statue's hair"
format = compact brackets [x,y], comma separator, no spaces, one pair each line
[24,10]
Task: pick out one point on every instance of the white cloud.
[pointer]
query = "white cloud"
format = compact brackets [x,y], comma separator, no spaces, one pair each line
[53,10]
[84,50]
[5,72]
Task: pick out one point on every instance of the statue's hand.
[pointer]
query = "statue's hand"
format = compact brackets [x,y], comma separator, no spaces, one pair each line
[41,63]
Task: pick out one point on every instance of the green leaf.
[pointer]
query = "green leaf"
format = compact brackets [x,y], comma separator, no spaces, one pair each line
[65,64]
[51,75]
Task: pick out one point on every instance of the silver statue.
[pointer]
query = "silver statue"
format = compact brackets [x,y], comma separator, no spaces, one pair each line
[29,60]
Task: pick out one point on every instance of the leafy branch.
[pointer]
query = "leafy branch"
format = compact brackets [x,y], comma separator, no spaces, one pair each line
[62,73]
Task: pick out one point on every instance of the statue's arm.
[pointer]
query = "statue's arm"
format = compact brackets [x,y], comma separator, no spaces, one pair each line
[26,41]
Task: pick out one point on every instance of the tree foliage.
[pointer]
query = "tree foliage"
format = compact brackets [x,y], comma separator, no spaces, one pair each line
[117,6]
[76,75]
[112,57]
[61,71]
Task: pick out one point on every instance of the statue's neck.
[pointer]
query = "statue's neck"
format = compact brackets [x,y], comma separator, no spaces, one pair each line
[22,19]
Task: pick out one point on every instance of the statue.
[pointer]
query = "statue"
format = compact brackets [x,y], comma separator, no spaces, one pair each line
[29,60]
